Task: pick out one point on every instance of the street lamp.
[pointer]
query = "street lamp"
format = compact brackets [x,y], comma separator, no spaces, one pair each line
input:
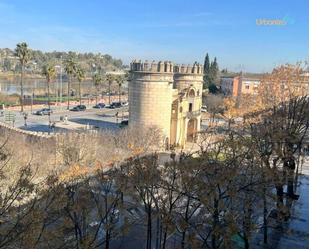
[32,94]
[61,80]
[94,71]
[60,92]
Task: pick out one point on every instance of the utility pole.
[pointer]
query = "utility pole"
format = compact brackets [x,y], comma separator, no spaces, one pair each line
[57,90]
[61,81]
[32,96]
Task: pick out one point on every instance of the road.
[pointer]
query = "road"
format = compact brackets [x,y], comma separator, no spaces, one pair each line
[98,118]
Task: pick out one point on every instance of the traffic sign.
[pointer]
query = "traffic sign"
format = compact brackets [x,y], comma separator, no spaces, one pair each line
[9,117]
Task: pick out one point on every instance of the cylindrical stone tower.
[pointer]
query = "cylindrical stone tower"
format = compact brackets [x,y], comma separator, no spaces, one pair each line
[150,96]
[186,76]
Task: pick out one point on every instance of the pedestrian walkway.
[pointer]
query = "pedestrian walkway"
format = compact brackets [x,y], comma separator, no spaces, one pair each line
[70,125]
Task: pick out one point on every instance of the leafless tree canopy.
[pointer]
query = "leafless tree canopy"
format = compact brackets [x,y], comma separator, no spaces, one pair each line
[98,190]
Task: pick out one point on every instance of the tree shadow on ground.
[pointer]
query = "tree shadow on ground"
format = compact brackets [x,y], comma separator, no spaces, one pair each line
[42,128]
[99,124]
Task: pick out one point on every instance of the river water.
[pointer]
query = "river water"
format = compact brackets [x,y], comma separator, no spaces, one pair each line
[39,86]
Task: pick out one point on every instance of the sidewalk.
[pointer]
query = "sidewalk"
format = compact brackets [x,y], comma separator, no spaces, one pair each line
[70,125]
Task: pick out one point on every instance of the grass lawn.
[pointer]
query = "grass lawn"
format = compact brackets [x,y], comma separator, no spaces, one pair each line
[54,99]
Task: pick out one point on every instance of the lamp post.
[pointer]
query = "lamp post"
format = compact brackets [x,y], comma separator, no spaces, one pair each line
[61,81]
[57,91]
[58,80]
[94,70]
[32,94]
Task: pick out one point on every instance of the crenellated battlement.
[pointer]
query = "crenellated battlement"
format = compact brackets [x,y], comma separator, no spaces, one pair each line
[156,67]
[165,67]
[196,68]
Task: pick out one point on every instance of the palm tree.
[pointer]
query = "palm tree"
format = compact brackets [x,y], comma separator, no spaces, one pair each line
[80,75]
[110,80]
[97,80]
[49,72]
[119,81]
[24,55]
[70,67]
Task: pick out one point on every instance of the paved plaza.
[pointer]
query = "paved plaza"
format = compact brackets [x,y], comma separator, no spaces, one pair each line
[69,120]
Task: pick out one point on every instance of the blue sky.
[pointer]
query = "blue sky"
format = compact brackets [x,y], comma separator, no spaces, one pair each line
[181,31]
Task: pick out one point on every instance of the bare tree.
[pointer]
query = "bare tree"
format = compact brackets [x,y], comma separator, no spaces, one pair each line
[16,199]
[143,182]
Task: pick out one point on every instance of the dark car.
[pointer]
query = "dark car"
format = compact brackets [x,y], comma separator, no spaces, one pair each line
[115,105]
[44,111]
[124,123]
[99,105]
[78,108]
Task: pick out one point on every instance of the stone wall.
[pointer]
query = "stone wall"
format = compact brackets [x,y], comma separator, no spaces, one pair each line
[7,131]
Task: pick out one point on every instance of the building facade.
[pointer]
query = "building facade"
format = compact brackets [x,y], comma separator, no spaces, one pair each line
[241,84]
[167,97]
[237,85]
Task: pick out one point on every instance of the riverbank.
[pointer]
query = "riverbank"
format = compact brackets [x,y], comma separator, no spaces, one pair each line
[14,75]
[73,101]
[11,101]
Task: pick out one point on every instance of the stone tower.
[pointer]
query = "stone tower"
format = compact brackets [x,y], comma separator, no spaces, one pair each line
[186,76]
[186,113]
[150,95]
[167,97]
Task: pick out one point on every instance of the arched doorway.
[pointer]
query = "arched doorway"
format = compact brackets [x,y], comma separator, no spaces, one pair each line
[191,130]
[191,96]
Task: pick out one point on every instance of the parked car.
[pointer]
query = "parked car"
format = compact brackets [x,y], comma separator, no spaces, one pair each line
[44,111]
[78,108]
[124,123]
[204,108]
[124,103]
[115,105]
[99,106]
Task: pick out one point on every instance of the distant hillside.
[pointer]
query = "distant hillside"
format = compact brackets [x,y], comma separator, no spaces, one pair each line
[90,62]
